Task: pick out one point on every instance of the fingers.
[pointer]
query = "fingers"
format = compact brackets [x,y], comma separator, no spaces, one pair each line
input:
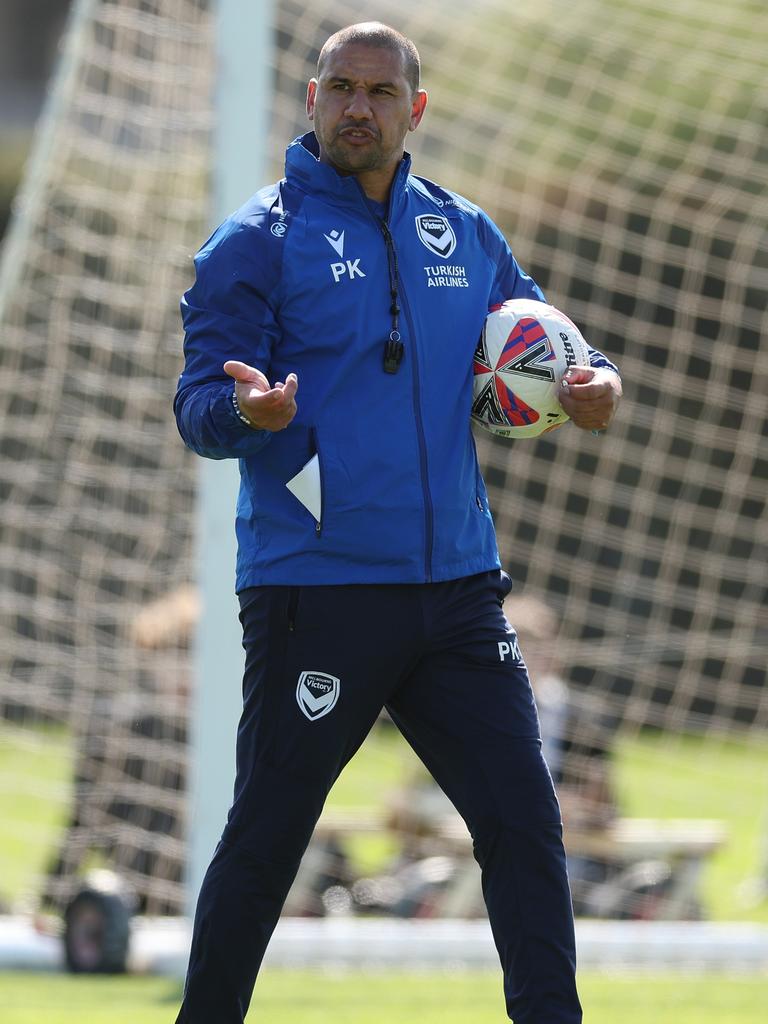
[587,413]
[266,407]
[291,385]
[272,411]
[241,371]
[246,374]
[587,392]
[589,398]
[578,374]
[281,395]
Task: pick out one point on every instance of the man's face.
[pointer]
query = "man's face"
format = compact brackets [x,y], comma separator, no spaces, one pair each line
[362,107]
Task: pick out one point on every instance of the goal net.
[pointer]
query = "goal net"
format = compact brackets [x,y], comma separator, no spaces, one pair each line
[621,147]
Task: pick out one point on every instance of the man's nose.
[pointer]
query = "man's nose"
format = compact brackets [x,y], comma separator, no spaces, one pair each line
[358,105]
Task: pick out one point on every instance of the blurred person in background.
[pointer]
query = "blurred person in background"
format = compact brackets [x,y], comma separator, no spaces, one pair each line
[577,735]
[576,729]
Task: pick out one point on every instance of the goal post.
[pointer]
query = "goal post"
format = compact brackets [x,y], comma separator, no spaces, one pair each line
[98,492]
[241,141]
[37,170]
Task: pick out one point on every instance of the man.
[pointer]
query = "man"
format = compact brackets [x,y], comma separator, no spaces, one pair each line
[577,732]
[367,568]
[577,729]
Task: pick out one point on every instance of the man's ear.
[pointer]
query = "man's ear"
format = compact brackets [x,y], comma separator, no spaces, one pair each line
[311,94]
[418,107]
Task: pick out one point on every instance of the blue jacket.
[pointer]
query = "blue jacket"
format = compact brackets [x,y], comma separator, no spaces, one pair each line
[299,280]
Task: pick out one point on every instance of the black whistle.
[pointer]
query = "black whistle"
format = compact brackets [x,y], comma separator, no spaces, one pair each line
[393,355]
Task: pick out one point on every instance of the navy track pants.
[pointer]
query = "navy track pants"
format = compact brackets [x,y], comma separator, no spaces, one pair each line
[321,662]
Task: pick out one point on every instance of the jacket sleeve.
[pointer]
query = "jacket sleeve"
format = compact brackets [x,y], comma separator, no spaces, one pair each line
[227,314]
[511,282]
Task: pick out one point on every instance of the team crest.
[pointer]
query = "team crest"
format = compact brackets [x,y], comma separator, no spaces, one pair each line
[317,693]
[436,233]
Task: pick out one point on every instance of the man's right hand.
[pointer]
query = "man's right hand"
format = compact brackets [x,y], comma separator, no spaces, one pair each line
[267,408]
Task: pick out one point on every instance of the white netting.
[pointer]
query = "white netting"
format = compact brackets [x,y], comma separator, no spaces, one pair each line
[620,146]
[98,496]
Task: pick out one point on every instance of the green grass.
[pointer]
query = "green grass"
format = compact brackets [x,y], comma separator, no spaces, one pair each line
[657,776]
[662,776]
[35,792]
[305,997]
[381,765]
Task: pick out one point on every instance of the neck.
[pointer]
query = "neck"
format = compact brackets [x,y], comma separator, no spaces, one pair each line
[376,182]
[378,191]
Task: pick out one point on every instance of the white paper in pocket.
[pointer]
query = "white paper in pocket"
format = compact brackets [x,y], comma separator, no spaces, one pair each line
[306,487]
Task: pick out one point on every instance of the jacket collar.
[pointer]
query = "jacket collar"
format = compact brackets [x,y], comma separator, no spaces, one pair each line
[303,169]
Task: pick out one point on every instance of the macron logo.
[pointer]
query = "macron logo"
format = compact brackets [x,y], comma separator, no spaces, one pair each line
[336,241]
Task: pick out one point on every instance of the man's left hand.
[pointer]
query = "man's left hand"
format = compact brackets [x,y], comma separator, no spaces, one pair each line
[590,395]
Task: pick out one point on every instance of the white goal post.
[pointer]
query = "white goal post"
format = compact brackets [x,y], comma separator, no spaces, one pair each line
[245,35]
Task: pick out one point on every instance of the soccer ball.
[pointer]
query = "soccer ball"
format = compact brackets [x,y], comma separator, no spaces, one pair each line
[525,348]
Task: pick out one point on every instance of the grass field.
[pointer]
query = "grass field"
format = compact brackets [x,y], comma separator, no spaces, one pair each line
[291,997]
[659,776]
[35,791]
[656,776]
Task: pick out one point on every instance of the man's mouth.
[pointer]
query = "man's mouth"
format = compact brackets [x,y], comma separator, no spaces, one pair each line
[357,135]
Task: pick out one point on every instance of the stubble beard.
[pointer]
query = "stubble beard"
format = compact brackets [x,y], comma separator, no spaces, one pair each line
[351,160]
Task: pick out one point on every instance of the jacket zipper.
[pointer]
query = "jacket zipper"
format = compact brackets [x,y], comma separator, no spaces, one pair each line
[397,298]
[321,470]
[429,512]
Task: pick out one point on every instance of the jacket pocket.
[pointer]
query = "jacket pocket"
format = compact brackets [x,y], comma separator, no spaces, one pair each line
[319,518]
[307,486]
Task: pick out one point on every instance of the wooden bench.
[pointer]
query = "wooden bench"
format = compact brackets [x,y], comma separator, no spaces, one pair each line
[685,844]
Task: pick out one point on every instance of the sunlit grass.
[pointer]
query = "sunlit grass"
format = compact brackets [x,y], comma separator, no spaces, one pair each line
[663,776]
[35,796]
[354,997]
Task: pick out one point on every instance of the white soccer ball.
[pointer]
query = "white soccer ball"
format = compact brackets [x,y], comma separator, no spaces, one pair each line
[521,357]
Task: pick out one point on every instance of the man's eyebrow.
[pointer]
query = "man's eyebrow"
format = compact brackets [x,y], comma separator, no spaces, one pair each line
[334,79]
